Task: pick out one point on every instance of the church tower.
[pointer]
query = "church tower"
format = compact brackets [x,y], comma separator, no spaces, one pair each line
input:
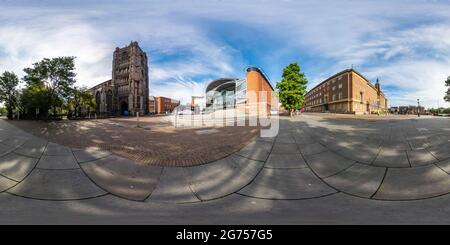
[377,86]
[130,80]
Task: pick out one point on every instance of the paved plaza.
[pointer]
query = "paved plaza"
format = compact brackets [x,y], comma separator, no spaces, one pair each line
[151,141]
[319,169]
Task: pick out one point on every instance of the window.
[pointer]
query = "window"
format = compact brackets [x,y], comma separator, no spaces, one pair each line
[334,97]
[340,85]
[334,88]
[340,95]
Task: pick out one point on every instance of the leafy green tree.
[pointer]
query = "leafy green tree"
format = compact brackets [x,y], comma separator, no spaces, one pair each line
[447,94]
[3,111]
[34,101]
[292,88]
[8,91]
[81,99]
[56,76]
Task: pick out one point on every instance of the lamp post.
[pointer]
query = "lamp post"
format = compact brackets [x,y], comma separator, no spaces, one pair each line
[418,108]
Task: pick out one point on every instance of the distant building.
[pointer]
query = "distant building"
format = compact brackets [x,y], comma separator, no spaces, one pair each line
[393,109]
[127,91]
[346,92]
[411,110]
[197,104]
[162,105]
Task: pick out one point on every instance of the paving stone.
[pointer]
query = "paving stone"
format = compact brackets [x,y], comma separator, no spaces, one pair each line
[358,154]
[173,187]
[340,144]
[16,166]
[414,183]
[285,137]
[57,185]
[266,139]
[360,180]
[53,149]
[441,152]
[6,183]
[222,177]
[15,141]
[285,161]
[312,149]
[436,140]
[395,144]
[286,184]
[123,177]
[285,148]
[5,149]
[256,150]
[445,165]
[392,158]
[328,163]
[304,139]
[418,144]
[420,157]
[88,155]
[57,162]
[32,148]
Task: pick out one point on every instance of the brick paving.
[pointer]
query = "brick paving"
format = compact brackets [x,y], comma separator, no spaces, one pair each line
[156,142]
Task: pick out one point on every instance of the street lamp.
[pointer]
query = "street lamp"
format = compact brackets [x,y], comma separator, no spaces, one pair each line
[418,108]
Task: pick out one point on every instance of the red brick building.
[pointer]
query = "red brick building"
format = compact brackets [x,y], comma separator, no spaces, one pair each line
[162,105]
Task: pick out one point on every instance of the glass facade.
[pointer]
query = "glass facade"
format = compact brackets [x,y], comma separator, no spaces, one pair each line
[241,91]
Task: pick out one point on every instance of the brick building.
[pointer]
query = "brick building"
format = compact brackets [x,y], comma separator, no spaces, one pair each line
[162,105]
[346,92]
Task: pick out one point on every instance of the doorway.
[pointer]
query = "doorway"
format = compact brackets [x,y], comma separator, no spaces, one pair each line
[124,108]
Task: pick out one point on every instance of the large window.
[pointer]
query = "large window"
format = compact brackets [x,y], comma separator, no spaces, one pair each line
[241,91]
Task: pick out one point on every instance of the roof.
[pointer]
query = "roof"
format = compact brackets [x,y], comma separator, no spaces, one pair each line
[100,84]
[220,82]
[257,69]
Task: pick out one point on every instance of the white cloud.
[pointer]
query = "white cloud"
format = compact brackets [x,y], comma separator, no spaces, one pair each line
[29,40]
[407,46]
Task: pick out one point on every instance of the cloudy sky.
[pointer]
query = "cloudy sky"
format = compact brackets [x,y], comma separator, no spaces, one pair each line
[406,44]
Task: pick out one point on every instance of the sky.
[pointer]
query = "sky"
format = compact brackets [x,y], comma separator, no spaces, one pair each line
[405,44]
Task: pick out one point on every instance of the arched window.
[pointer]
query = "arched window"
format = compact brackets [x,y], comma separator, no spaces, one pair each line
[97,100]
[109,102]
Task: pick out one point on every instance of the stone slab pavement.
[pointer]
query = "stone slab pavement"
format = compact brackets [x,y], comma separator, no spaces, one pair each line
[317,170]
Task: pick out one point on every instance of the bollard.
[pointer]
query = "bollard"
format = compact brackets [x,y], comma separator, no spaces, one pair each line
[137,115]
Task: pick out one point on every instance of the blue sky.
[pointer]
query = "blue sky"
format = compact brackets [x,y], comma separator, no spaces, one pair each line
[406,44]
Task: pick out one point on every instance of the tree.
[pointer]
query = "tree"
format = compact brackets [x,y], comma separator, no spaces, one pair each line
[34,101]
[292,88]
[447,94]
[81,98]
[56,76]
[8,91]
[3,111]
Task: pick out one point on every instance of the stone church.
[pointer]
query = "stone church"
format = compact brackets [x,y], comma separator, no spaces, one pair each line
[127,92]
